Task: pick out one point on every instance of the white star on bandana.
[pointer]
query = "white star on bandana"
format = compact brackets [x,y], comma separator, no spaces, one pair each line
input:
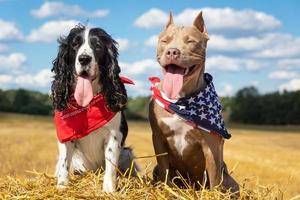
[202,109]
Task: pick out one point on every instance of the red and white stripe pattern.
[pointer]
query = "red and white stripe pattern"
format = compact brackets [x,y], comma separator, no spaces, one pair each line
[201,110]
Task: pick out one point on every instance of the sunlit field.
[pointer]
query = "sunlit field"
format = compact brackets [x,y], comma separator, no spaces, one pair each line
[266,163]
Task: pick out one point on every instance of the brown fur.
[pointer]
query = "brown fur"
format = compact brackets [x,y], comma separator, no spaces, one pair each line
[203,152]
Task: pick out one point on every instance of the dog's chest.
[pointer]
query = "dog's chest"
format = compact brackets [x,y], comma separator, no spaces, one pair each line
[177,133]
[89,150]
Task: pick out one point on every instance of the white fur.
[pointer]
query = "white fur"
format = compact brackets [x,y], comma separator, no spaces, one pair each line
[86,49]
[91,153]
[181,129]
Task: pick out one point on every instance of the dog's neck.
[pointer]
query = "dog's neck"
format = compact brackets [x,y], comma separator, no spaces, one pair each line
[194,85]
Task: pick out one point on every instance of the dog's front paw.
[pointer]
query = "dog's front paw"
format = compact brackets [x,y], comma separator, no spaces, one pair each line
[108,184]
[62,183]
[61,187]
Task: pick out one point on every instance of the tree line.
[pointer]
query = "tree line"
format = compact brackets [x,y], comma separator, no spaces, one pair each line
[247,106]
[25,101]
[250,107]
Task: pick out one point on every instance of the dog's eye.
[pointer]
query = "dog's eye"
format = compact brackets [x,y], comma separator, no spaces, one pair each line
[74,44]
[190,41]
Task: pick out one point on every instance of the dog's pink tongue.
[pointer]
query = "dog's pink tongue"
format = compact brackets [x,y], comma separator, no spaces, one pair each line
[173,81]
[83,91]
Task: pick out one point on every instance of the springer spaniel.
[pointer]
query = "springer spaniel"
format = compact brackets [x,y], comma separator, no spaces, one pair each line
[87,66]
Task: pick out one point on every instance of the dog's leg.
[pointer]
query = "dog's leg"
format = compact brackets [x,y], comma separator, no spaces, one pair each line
[126,161]
[212,149]
[162,161]
[63,163]
[112,153]
[228,181]
[160,147]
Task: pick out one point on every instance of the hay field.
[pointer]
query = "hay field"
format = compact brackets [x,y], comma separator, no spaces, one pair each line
[266,163]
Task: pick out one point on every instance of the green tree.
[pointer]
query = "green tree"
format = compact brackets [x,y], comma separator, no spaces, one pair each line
[246,106]
[21,99]
[5,104]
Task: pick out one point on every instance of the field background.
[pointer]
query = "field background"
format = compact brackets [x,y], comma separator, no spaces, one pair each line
[258,157]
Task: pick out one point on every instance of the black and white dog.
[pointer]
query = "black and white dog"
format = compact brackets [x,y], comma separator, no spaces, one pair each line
[87,62]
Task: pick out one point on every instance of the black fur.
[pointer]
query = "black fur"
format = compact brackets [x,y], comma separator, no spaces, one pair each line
[64,70]
[113,88]
[123,128]
[106,55]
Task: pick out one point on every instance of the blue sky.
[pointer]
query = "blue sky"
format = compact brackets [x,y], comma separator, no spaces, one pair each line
[251,42]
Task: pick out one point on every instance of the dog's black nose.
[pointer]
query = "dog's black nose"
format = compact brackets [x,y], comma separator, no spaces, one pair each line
[172,53]
[84,59]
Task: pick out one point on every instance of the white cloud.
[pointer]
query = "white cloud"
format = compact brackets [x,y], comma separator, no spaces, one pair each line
[142,67]
[226,90]
[215,18]
[151,41]
[139,71]
[152,18]
[292,85]
[4,78]
[271,45]
[123,44]
[282,46]
[9,31]
[43,77]
[12,61]
[24,79]
[223,63]
[229,18]
[289,63]
[219,42]
[140,88]
[40,79]
[61,9]
[281,74]
[51,30]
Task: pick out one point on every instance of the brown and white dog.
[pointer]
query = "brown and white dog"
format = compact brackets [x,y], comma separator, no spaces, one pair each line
[191,151]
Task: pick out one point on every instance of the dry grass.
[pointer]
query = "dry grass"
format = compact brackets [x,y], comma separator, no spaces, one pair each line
[265,163]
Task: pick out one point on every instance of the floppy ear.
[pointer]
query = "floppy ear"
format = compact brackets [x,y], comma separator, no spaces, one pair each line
[113,88]
[199,23]
[63,76]
[170,21]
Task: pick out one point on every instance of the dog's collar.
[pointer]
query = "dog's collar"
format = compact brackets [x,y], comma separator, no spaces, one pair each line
[202,109]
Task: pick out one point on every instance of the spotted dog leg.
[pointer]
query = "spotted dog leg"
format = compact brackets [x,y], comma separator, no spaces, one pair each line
[63,163]
[112,153]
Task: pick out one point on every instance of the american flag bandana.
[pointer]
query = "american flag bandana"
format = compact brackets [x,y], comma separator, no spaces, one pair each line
[201,110]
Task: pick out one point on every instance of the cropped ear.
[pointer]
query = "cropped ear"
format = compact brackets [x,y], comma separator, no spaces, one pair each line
[63,76]
[113,88]
[170,21]
[199,23]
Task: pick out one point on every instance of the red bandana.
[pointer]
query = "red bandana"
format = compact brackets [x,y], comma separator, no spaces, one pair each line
[76,122]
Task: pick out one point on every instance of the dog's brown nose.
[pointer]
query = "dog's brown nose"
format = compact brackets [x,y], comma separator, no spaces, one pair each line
[172,53]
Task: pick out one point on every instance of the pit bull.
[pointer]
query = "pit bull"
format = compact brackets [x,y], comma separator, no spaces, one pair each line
[193,138]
